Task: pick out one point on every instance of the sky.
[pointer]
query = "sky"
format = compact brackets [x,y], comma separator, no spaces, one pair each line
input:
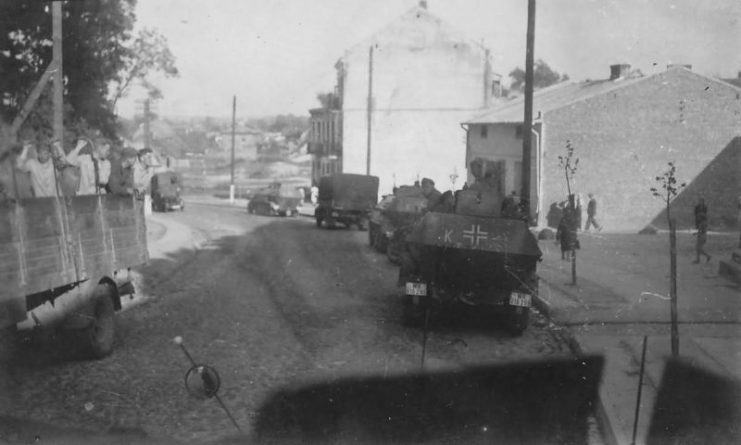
[276,55]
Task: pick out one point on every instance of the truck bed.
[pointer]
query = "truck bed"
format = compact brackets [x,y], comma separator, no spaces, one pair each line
[46,243]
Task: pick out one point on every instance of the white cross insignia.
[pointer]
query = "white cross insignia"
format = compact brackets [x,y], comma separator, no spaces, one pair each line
[475,235]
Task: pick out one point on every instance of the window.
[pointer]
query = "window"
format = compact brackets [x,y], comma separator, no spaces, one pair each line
[484,132]
[518,132]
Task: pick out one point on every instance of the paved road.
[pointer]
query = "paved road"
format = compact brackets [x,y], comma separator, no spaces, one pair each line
[274,304]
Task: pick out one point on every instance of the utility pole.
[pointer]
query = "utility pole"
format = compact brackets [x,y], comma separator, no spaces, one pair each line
[370,109]
[528,121]
[58,97]
[147,127]
[234,123]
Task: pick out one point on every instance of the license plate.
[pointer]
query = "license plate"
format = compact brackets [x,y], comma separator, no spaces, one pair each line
[519,299]
[419,289]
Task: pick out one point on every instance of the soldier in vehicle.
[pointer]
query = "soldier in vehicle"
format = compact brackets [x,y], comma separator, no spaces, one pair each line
[430,192]
[40,169]
[101,155]
[446,203]
[82,157]
[121,180]
[510,208]
[144,170]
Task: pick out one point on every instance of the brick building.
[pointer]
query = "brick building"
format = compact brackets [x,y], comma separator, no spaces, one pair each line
[624,130]
[423,79]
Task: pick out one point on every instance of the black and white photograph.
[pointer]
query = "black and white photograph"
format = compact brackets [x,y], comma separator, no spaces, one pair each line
[370,222]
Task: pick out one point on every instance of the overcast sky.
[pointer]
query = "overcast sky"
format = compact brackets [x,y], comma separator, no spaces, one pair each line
[276,55]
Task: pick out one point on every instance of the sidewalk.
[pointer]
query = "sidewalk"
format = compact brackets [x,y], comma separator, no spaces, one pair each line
[621,295]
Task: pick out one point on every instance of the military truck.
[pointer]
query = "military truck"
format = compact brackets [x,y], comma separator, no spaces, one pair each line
[473,257]
[166,187]
[65,263]
[346,199]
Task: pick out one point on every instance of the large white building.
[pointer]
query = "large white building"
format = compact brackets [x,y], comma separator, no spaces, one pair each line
[424,79]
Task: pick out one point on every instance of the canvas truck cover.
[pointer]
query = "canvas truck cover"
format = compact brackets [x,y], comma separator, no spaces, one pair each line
[349,191]
[485,234]
[47,243]
[165,183]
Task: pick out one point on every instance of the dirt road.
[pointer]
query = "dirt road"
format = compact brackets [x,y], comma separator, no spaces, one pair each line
[272,303]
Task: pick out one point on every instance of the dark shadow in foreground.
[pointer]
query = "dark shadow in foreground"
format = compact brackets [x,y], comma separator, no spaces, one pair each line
[694,406]
[537,402]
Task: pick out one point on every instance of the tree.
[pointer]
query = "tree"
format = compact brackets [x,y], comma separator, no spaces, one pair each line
[667,192]
[543,76]
[99,52]
[569,164]
[146,54]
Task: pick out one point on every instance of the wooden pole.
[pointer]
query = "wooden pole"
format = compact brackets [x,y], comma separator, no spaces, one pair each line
[528,120]
[673,287]
[424,336]
[370,109]
[640,390]
[58,97]
[234,125]
[147,126]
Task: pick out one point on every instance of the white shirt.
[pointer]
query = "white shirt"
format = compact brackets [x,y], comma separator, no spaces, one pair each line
[84,162]
[142,176]
[43,180]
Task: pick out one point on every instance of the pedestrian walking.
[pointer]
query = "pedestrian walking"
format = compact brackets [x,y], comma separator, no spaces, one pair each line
[702,238]
[314,195]
[592,214]
[566,232]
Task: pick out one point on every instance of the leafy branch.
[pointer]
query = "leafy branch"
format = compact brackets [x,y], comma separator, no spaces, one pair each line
[668,188]
[568,163]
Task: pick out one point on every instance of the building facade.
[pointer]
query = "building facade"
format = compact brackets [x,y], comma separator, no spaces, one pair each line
[403,93]
[624,131]
[325,142]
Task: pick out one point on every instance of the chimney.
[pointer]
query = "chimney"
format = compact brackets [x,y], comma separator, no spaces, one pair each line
[423,4]
[618,71]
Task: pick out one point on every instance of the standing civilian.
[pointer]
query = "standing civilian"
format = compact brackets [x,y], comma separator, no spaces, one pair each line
[592,214]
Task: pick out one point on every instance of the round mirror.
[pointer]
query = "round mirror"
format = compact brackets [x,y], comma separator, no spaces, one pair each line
[202,381]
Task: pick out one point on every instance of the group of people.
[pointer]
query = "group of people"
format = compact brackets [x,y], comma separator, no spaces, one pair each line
[570,223]
[90,168]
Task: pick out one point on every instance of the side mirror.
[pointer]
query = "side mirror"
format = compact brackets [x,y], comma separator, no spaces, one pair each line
[202,382]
